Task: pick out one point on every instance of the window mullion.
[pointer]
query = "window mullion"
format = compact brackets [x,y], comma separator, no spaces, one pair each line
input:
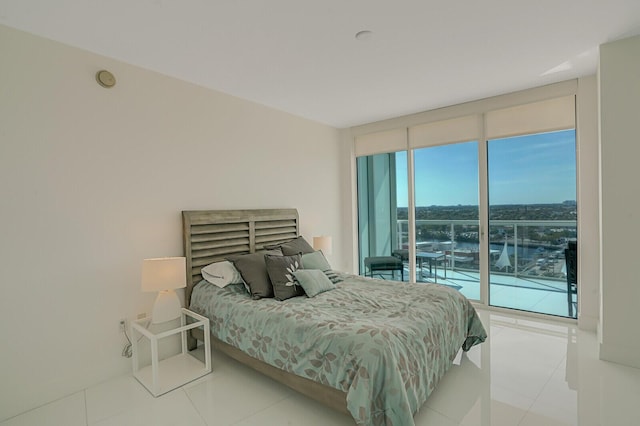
[484,211]
[411,211]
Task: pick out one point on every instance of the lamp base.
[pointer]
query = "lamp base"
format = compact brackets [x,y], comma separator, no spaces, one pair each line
[166,307]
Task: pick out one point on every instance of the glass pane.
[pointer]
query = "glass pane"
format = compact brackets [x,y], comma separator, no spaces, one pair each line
[532,217]
[447,224]
[382,182]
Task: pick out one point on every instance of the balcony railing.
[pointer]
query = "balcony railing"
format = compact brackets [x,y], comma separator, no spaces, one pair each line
[517,247]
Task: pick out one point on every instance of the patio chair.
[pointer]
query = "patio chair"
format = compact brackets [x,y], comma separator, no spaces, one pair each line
[571,259]
[384,263]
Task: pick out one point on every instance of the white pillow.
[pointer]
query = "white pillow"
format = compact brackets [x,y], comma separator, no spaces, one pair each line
[222,274]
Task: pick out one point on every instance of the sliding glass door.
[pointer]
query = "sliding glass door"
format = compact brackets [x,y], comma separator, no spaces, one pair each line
[532,216]
[447,216]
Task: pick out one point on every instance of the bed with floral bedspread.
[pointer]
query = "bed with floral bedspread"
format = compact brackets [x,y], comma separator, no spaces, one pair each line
[385,344]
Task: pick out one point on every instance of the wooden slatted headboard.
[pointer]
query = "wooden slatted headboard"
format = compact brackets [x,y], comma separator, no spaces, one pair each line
[212,235]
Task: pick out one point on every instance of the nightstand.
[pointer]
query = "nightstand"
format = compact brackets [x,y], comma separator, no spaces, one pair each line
[164,375]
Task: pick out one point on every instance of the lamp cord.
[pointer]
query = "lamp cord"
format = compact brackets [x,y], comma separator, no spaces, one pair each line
[127,351]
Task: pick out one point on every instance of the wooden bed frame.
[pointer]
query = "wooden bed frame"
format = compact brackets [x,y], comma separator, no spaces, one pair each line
[211,236]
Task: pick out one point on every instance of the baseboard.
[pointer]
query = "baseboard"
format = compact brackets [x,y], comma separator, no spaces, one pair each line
[623,355]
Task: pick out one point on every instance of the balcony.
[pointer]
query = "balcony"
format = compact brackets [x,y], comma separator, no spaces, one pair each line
[527,266]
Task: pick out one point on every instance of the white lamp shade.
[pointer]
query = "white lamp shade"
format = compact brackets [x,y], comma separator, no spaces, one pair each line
[322,243]
[164,273]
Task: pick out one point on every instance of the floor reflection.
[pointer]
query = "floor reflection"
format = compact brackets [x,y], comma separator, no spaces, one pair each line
[534,372]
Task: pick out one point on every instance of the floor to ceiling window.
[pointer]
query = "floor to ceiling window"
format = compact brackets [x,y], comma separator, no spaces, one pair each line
[381,168]
[484,203]
[380,235]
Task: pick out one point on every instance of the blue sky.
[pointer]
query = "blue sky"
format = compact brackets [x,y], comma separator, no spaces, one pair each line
[528,169]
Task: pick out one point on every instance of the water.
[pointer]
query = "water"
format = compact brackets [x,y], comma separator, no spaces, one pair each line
[526,251]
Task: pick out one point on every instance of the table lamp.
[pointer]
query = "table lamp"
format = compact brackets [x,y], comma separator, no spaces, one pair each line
[164,275]
[322,243]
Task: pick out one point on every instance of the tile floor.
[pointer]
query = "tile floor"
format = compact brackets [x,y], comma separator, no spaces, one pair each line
[527,373]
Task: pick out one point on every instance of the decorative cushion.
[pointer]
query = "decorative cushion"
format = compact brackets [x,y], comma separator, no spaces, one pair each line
[280,269]
[313,281]
[315,260]
[295,246]
[333,276]
[253,269]
[222,274]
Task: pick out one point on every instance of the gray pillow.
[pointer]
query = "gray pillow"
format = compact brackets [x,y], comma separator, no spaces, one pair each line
[295,246]
[280,269]
[313,281]
[315,260]
[253,270]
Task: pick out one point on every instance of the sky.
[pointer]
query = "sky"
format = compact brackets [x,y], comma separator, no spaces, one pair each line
[531,169]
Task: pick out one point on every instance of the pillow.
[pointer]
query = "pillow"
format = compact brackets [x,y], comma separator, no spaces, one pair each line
[280,269]
[333,276]
[315,260]
[253,270]
[222,274]
[295,246]
[313,281]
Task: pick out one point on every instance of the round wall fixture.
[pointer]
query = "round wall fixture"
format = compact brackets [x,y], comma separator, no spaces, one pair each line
[364,35]
[105,79]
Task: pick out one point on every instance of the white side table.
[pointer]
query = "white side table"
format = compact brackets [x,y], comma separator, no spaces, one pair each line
[162,376]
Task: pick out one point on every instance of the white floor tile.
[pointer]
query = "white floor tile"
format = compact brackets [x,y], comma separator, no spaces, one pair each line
[233,392]
[557,400]
[617,399]
[494,413]
[533,419]
[505,396]
[521,378]
[428,417]
[528,372]
[114,397]
[467,396]
[69,411]
[297,410]
[528,348]
[171,409]
[467,381]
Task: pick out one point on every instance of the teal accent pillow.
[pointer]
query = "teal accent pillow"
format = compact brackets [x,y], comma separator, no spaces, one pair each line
[313,281]
[315,260]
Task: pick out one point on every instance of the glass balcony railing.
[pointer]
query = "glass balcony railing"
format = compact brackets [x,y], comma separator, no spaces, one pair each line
[532,248]
[527,268]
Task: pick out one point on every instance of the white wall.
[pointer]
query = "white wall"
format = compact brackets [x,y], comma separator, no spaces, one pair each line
[588,202]
[619,90]
[93,180]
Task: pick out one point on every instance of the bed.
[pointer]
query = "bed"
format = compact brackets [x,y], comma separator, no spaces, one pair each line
[371,348]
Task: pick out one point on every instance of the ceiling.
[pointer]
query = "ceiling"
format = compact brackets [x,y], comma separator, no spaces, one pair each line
[302,56]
